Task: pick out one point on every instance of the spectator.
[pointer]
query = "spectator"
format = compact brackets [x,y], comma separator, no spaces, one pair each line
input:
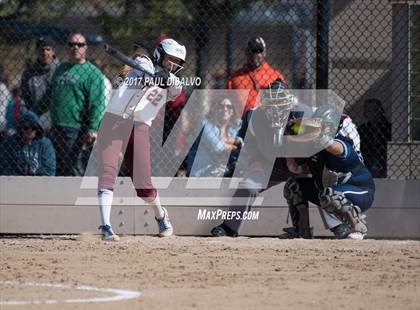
[4,99]
[374,136]
[75,99]
[255,74]
[217,138]
[27,152]
[37,76]
[219,79]
[15,109]
[182,139]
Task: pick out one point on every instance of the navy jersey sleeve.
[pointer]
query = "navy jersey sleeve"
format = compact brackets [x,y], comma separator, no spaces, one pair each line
[346,161]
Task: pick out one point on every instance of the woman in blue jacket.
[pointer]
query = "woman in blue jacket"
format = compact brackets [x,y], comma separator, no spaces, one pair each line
[217,141]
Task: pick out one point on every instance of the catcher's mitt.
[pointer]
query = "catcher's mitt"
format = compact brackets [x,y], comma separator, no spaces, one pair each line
[304,130]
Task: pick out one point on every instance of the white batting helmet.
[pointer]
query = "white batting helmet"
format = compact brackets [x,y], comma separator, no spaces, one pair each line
[172,48]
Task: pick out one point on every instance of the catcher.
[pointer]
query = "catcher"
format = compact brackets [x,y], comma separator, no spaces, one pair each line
[340,183]
[263,139]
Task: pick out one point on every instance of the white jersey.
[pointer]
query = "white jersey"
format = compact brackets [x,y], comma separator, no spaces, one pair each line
[349,130]
[134,100]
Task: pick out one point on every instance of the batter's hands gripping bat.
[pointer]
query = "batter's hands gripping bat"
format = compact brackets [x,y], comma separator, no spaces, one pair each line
[125,59]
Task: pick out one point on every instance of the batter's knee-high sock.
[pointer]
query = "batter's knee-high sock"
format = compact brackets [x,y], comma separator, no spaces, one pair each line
[105,202]
[157,207]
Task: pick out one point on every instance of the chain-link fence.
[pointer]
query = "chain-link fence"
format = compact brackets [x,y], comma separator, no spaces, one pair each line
[367,52]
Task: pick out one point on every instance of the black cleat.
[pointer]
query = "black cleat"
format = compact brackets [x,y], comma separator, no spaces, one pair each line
[292,233]
[223,231]
[341,231]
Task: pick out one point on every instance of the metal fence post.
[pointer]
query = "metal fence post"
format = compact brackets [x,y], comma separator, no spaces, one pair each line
[322,38]
[202,38]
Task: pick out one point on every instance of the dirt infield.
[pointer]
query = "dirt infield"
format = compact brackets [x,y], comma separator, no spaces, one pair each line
[212,273]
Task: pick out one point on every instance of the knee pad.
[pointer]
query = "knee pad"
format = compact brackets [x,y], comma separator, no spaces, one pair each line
[147,194]
[334,201]
[292,192]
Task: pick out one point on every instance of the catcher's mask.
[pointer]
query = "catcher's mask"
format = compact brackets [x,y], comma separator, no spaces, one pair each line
[277,102]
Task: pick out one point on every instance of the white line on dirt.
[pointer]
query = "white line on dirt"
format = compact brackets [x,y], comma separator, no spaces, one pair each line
[118,294]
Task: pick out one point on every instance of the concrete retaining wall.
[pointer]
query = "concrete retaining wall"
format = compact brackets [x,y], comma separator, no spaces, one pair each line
[67,205]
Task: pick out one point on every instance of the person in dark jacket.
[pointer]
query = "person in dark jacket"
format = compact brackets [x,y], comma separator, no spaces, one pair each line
[76,102]
[37,77]
[28,152]
[374,136]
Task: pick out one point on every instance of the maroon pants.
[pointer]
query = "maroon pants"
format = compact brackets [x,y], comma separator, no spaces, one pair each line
[132,139]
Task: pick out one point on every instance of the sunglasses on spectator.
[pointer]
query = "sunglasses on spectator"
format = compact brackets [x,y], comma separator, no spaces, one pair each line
[228,106]
[78,44]
[255,50]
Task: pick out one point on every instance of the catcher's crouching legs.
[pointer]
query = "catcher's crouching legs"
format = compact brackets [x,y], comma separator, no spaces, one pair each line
[299,212]
[336,202]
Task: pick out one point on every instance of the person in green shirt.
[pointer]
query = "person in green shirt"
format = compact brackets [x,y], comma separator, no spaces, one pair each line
[76,101]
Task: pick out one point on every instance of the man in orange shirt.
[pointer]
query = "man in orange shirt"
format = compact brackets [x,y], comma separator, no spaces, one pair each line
[255,74]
